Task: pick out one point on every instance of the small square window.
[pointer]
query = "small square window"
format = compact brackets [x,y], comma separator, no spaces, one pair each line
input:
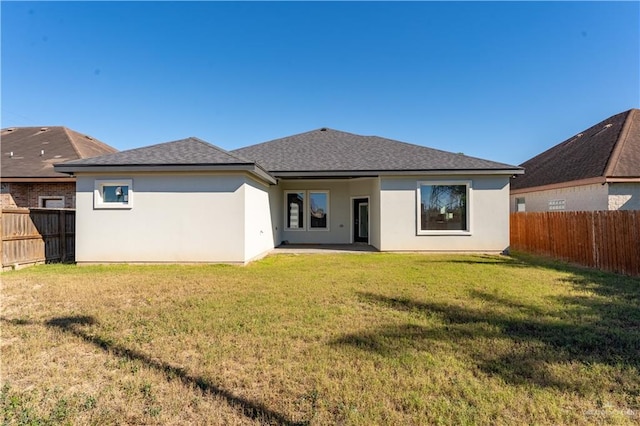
[520,205]
[113,194]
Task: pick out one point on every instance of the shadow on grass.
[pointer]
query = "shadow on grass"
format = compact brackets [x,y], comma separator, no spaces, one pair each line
[522,342]
[478,259]
[250,409]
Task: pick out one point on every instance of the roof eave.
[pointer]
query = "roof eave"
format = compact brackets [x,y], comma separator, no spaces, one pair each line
[51,179]
[559,185]
[93,168]
[581,182]
[629,179]
[375,173]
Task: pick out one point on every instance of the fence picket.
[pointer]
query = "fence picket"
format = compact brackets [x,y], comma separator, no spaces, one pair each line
[37,235]
[607,240]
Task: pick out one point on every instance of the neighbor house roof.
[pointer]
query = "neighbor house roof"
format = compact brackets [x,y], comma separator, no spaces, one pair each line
[191,154]
[332,152]
[606,152]
[28,153]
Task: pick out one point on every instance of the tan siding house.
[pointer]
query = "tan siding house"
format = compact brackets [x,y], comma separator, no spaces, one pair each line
[597,169]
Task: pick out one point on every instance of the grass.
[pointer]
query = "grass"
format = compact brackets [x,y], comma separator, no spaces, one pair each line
[321,339]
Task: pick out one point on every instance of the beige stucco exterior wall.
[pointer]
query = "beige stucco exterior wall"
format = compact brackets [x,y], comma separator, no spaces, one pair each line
[374,214]
[624,196]
[577,198]
[258,235]
[174,218]
[275,210]
[191,217]
[341,191]
[489,216]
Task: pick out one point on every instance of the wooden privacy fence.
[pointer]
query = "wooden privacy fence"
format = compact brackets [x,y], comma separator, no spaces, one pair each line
[32,236]
[606,240]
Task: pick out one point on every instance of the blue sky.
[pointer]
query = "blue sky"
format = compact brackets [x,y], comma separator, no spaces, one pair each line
[497,80]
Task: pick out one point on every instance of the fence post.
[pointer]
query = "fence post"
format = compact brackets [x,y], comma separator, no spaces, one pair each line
[62,226]
[1,240]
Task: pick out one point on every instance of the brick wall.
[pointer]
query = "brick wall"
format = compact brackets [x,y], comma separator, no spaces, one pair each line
[27,194]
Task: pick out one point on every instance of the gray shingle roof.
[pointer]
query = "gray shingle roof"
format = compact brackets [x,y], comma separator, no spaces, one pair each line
[58,143]
[191,151]
[191,154]
[609,149]
[325,150]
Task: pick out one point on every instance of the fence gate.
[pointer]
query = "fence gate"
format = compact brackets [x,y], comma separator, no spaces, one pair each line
[31,236]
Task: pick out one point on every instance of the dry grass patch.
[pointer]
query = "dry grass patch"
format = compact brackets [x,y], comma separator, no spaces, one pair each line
[318,339]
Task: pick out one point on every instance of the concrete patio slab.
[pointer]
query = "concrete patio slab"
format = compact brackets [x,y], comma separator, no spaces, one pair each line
[324,248]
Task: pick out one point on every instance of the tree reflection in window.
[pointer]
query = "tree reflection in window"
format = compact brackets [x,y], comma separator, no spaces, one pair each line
[115,194]
[443,207]
[295,210]
[318,208]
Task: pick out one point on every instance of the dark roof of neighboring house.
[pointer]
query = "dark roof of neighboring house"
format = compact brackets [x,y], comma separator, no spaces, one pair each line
[185,154]
[36,149]
[610,149]
[328,150]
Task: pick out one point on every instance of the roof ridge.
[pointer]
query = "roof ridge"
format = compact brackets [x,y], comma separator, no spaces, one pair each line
[219,149]
[621,141]
[92,141]
[73,142]
[575,136]
[126,151]
[319,129]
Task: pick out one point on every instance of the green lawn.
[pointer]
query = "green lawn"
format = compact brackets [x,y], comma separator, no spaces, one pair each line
[321,339]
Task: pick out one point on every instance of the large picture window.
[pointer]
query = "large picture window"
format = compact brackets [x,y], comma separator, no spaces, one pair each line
[113,194]
[443,207]
[295,209]
[318,209]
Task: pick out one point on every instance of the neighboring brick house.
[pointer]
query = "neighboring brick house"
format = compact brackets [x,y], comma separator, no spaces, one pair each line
[28,155]
[597,169]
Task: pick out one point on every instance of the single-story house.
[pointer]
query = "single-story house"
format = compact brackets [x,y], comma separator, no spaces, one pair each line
[597,169]
[190,201]
[28,155]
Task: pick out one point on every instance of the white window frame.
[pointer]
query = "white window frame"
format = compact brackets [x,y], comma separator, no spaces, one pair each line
[469,186]
[98,199]
[318,191]
[43,198]
[521,204]
[304,207]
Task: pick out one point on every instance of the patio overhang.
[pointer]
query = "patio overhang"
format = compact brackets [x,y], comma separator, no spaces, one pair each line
[352,174]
